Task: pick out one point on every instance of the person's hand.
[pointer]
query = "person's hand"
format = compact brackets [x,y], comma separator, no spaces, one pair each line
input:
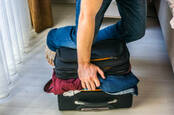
[88,75]
[50,55]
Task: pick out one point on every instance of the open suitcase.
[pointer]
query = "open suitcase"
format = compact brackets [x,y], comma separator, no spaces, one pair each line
[94,100]
[88,100]
[112,56]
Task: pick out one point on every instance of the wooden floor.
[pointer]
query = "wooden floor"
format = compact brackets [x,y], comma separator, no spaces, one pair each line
[149,60]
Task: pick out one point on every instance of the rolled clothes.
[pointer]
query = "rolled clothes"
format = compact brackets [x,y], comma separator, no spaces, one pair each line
[112,84]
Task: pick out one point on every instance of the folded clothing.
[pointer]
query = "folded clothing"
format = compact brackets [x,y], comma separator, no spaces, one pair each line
[68,73]
[115,83]
[133,91]
[59,86]
[112,84]
[112,56]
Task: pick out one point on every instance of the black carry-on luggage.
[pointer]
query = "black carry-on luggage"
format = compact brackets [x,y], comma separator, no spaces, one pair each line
[94,100]
[112,56]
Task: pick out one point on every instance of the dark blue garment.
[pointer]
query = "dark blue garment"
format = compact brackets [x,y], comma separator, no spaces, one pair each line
[59,37]
[131,27]
[115,83]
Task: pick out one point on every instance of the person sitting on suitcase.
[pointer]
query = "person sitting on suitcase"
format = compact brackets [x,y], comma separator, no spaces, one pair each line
[89,16]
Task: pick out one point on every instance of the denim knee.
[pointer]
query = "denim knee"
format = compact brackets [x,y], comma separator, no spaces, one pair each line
[137,33]
[50,40]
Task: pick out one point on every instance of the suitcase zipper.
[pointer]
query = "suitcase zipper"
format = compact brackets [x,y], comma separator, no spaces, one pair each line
[103,59]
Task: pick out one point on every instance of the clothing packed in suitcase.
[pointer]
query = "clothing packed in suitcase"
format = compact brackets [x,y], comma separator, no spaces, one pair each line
[116,91]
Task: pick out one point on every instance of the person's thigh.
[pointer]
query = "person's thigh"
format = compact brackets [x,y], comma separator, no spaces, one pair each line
[98,20]
[132,25]
[61,37]
[66,36]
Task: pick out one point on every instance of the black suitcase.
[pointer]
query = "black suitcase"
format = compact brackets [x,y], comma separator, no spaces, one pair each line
[94,100]
[112,56]
[116,63]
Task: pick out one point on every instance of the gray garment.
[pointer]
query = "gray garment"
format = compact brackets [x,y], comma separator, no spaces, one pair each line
[132,91]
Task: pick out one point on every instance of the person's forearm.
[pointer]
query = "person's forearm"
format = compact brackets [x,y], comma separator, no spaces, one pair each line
[86,29]
[85,37]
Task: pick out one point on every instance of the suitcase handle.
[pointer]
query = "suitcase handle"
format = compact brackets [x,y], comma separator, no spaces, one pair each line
[91,104]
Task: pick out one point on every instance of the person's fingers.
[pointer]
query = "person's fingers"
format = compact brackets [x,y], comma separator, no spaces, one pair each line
[88,85]
[50,56]
[83,85]
[97,82]
[101,73]
[46,56]
[93,87]
[49,61]
[52,62]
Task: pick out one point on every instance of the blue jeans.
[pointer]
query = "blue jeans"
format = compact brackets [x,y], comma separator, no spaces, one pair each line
[131,27]
[117,83]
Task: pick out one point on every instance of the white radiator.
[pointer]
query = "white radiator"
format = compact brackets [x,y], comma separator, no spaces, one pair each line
[15,30]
